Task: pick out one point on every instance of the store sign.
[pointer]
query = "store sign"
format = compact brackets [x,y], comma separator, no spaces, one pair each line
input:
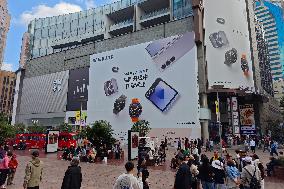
[57,85]
[247,120]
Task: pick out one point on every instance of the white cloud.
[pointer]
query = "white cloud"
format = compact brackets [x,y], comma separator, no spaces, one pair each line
[90,4]
[42,11]
[7,67]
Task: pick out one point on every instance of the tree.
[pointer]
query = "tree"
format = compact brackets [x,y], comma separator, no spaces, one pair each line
[64,127]
[277,130]
[142,126]
[6,130]
[100,133]
[20,128]
[35,128]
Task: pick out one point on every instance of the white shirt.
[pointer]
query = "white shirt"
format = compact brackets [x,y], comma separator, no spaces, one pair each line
[252,143]
[128,181]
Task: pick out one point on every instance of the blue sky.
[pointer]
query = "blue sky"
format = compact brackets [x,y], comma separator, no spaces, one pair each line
[22,11]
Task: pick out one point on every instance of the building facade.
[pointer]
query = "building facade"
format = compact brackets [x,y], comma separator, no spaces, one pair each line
[7,85]
[4,28]
[58,80]
[25,50]
[270,16]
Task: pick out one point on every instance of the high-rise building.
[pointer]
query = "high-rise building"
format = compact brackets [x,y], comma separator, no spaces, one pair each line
[82,64]
[264,60]
[270,16]
[7,84]
[25,50]
[4,27]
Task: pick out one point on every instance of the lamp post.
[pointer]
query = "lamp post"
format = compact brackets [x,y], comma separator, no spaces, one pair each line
[81,99]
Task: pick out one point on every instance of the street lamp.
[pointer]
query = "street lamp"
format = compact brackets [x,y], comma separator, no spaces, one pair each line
[81,99]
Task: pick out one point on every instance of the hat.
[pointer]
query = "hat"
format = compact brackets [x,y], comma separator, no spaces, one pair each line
[35,153]
[247,159]
[217,164]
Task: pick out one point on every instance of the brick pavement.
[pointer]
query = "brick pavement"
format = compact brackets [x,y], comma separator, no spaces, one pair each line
[102,176]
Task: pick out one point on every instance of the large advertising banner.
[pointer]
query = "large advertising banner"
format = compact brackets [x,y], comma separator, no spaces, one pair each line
[154,81]
[78,89]
[247,119]
[52,141]
[228,45]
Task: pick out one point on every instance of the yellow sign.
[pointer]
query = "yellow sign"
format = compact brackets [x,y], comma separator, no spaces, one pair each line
[217,106]
[78,116]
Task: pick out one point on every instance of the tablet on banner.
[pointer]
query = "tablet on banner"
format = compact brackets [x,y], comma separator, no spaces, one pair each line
[52,141]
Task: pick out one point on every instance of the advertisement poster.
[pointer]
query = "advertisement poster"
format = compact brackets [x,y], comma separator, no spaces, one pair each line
[227,42]
[161,75]
[247,119]
[78,89]
[52,141]
[134,144]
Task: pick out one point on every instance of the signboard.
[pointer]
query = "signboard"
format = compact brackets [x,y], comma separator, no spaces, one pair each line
[247,120]
[134,143]
[235,115]
[52,141]
[227,44]
[162,74]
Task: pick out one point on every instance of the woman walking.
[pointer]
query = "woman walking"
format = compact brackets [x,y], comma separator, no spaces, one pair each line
[73,176]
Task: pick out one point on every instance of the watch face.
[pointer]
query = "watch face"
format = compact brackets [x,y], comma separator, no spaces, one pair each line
[231,56]
[161,94]
[110,87]
[218,39]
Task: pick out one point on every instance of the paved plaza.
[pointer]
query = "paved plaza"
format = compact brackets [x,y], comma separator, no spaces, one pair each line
[103,176]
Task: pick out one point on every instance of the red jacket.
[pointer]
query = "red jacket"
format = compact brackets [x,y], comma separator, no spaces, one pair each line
[13,164]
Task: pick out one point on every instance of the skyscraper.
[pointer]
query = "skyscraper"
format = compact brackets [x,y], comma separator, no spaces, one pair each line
[270,16]
[25,50]
[4,27]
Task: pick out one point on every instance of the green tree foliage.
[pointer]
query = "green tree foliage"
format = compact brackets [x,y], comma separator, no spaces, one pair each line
[35,128]
[277,131]
[6,130]
[20,128]
[100,133]
[64,127]
[142,126]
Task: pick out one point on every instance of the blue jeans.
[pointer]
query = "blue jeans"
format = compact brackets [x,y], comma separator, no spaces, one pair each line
[207,185]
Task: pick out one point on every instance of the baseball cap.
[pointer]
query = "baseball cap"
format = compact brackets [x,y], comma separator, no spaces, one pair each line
[247,159]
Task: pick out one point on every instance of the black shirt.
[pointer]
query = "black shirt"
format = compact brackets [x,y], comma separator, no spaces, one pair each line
[183,177]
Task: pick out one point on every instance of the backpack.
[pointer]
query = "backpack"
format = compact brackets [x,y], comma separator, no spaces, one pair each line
[254,183]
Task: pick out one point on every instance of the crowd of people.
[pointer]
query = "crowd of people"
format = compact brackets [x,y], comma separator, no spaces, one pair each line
[87,152]
[193,169]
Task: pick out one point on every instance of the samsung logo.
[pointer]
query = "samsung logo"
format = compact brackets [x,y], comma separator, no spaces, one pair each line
[103,58]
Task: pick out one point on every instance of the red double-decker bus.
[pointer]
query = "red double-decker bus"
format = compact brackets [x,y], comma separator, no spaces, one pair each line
[36,140]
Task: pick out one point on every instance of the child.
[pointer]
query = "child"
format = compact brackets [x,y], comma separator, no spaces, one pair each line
[13,164]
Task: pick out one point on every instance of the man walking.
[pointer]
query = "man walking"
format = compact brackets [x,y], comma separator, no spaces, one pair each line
[127,180]
[273,149]
[183,175]
[252,145]
[251,176]
[33,172]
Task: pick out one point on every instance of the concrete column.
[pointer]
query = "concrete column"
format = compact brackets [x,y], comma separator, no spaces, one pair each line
[171,10]
[139,13]
[204,124]
[108,23]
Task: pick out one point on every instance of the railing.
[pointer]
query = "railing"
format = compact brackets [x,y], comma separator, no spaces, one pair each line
[121,24]
[155,13]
